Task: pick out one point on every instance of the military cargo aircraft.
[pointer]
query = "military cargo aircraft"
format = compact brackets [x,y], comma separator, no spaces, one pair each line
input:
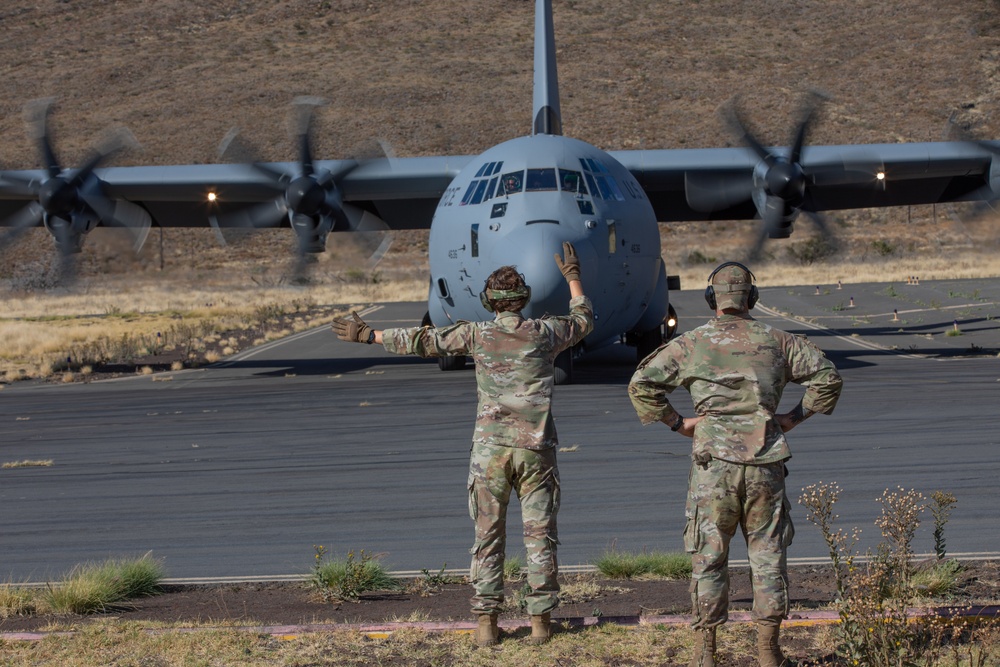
[515,203]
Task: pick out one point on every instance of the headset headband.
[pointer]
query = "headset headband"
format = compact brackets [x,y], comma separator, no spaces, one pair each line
[711,277]
[502,294]
[489,296]
[751,288]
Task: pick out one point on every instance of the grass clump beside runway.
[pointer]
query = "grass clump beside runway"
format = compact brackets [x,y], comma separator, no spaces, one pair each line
[616,564]
[87,589]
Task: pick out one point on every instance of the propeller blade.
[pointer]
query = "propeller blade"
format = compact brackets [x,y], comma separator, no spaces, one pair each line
[122,214]
[370,232]
[37,114]
[774,218]
[235,149]
[19,185]
[306,106]
[824,229]
[734,118]
[756,250]
[23,220]
[67,247]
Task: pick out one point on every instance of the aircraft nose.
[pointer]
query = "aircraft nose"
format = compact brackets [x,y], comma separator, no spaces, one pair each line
[531,250]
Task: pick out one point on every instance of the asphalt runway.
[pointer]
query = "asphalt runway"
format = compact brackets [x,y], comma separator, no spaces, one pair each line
[238,470]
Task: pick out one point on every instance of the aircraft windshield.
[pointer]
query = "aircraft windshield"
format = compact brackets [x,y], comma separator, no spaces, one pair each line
[594,180]
[541,179]
[572,181]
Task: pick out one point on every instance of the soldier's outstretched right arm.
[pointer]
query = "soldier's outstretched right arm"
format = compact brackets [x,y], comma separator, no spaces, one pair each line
[580,321]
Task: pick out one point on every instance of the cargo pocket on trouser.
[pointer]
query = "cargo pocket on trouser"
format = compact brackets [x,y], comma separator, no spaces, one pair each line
[787,528]
[473,501]
[478,544]
[693,541]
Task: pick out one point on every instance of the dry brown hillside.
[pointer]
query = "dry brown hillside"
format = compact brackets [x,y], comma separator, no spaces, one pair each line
[453,76]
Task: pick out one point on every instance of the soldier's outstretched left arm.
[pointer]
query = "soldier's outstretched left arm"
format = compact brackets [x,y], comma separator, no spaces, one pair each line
[354,330]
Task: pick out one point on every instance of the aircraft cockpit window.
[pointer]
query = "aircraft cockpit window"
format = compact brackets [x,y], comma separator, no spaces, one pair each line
[541,179]
[613,184]
[467,197]
[513,182]
[572,181]
[602,183]
[496,168]
[477,197]
[483,169]
[492,188]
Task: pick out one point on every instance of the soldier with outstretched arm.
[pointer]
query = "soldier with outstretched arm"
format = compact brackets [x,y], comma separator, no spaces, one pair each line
[514,443]
[735,369]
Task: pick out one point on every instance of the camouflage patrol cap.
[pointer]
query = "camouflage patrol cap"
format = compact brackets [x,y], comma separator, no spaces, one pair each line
[732,286]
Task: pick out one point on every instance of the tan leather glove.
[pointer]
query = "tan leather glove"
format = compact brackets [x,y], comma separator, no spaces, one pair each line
[570,266]
[353,330]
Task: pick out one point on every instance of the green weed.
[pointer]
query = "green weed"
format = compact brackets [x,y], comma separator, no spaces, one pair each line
[615,564]
[347,579]
[514,568]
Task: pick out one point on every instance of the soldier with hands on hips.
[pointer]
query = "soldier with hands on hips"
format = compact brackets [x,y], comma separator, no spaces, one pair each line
[735,369]
[514,443]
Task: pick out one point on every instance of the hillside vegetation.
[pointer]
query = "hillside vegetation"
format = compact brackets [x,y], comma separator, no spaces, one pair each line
[451,77]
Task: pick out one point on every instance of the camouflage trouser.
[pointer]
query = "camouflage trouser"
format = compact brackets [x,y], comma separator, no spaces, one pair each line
[722,496]
[533,475]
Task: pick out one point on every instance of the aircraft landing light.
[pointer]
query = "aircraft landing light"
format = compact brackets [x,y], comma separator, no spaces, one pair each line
[212,197]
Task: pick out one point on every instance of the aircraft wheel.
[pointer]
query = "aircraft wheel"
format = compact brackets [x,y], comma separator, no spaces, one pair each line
[451,363]
[563,368]
[647,343]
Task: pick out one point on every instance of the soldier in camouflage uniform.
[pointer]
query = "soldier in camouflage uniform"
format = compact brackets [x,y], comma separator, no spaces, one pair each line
[735,369]
[514,444]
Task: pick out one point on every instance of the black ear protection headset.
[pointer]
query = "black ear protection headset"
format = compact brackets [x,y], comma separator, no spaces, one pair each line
[490,295]
[710,290]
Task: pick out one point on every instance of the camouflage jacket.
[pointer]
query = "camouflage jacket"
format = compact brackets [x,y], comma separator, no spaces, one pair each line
[514,368]
[735,369]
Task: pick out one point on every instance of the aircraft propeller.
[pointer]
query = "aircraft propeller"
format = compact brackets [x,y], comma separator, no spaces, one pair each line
[70,203]
[311,200]
[780,183]
[986,196]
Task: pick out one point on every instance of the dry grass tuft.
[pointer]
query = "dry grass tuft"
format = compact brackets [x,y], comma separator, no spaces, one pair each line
[28,463]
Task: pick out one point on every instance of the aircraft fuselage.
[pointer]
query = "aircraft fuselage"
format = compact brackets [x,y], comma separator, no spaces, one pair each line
[517,203]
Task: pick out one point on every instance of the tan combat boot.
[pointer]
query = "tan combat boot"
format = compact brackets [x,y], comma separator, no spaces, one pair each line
[541,629]
[487,632]
[704,648]
[768,651]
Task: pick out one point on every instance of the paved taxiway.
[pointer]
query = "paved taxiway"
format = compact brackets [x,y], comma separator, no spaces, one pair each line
[239,469]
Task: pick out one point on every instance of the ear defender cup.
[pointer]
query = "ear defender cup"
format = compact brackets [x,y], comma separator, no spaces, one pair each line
[710,290]
[489,295]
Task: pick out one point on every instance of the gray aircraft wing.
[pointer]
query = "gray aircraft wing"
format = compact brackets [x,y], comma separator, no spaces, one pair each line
[682,184]
[720,183]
